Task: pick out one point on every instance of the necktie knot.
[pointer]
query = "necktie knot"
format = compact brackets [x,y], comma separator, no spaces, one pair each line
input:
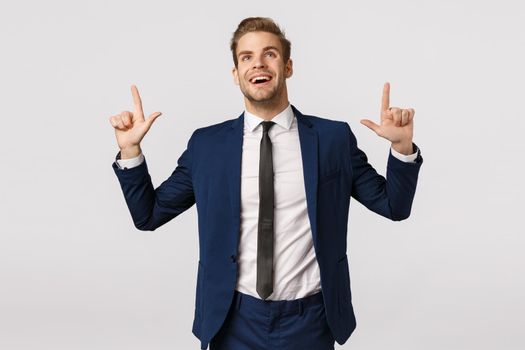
[267,125]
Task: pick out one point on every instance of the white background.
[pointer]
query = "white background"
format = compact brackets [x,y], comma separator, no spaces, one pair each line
[76,274]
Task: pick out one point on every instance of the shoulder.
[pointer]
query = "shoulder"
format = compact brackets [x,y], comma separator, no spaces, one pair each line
[327,125]
[330,130]
[214,129]
[323,121]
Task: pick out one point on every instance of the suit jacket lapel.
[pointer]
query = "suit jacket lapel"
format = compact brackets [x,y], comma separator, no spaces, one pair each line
[309,146]
[233,165]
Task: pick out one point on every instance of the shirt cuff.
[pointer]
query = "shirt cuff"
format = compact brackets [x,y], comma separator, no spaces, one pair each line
[411,158]
[130,162]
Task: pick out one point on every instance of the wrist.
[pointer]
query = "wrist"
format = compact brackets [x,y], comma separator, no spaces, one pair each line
[130,152]
[403,147]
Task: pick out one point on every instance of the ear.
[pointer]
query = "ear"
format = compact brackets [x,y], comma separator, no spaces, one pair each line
[288,69]
[235,74]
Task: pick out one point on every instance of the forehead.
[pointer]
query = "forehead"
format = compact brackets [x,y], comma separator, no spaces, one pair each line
[255,41]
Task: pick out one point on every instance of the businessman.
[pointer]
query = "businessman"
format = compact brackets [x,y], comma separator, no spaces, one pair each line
[272,189]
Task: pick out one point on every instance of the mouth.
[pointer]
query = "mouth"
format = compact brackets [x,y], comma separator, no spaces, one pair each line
[261,80]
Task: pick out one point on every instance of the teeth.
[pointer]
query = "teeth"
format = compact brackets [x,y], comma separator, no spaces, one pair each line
[260,78]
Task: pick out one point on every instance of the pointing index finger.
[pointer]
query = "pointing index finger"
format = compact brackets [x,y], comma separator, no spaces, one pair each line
[137,102]
[385,101]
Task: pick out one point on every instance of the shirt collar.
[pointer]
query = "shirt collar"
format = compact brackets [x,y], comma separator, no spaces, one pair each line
[284,119]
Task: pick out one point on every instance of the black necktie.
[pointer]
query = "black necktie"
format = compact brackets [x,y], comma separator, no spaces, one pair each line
[265,228]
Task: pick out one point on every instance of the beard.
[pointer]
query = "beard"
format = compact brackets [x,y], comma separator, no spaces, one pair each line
[266,96]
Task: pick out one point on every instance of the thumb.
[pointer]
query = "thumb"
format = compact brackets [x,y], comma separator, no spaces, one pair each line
[152,118]
[371,125]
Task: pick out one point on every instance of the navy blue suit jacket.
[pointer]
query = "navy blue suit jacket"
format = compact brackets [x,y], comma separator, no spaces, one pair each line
[208,174]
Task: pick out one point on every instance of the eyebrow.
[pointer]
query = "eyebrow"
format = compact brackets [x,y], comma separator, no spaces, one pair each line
[265,49]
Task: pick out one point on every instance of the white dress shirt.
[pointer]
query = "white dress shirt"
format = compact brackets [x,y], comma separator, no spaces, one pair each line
[296,271]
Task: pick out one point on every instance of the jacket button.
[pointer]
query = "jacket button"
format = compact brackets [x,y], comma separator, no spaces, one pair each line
[234,258]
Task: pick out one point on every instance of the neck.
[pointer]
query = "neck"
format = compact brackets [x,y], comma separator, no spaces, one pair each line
[267,109]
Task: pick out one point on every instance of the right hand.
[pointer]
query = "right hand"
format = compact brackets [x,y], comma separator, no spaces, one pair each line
[130,127]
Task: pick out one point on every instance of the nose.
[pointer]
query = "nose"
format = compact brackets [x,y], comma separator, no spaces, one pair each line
[258,62]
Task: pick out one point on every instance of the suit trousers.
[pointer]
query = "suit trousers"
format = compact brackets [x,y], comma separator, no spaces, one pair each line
[256,324]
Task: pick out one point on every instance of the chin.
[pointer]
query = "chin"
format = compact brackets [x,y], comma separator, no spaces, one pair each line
[262,99]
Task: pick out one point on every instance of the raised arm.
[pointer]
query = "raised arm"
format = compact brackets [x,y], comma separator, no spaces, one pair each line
[392,196]
[149,207]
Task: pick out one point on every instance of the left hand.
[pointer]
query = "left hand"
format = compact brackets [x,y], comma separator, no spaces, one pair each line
[397,124]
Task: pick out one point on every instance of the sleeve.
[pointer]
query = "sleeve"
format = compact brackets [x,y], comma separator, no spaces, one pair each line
[410,158]
[149,207]
[390,197]
[130,162]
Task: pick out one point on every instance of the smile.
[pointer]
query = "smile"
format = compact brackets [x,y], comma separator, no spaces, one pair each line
[260,79]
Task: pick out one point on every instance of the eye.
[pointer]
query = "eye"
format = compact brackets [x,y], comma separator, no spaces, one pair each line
[270,54]
[245,58]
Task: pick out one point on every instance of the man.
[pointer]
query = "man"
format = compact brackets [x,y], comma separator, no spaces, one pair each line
[272,189]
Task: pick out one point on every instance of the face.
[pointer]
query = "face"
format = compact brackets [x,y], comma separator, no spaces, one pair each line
[261,72]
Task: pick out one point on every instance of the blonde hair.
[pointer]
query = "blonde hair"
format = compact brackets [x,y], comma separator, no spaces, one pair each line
[259,24]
